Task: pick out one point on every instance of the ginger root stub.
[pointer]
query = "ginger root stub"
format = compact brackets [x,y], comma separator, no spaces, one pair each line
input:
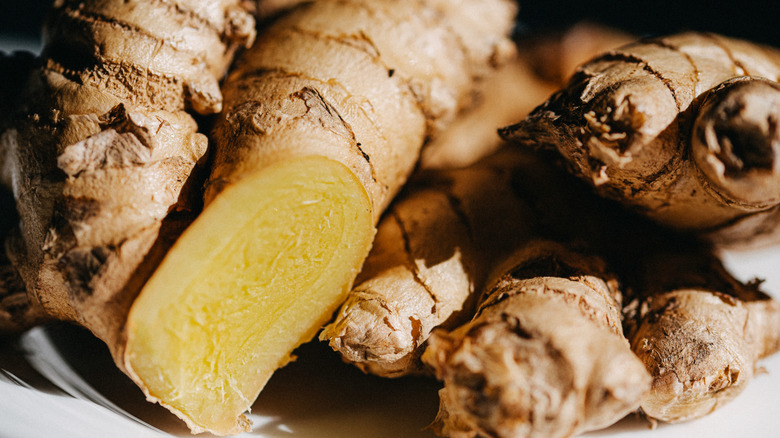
[679,128]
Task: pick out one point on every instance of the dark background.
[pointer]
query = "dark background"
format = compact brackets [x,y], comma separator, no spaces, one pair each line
[749,19]
[755,20]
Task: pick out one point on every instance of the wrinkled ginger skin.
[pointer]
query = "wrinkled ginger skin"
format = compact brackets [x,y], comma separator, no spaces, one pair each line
[461,213]
[625,123]
[388,76]
[406,288]
[544,356]
[432,250]
[101,149]
[699,332]
[690,377]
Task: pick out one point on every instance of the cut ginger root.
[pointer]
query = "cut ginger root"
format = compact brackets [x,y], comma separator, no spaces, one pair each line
[263,283]
[323,121]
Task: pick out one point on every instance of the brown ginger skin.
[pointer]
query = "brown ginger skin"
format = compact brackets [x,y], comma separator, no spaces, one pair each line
[452,222]
[376,99]
[628,123]
[698,330]
[432,250]
[544,355]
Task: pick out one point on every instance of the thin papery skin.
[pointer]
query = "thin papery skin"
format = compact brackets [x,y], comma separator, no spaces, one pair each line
[101,153]
[625,124]
[544,355]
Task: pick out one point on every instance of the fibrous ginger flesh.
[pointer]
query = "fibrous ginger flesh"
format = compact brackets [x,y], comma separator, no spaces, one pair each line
[256,275]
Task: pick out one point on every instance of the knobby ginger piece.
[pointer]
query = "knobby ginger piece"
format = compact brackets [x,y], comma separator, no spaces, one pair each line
[544,355]
[698,330]
[433,250]
[679,128]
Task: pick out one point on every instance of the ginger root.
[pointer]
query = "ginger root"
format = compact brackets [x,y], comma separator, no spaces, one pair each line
[680,128]
[699,331]
[544,355]
[432,251]
[324,120]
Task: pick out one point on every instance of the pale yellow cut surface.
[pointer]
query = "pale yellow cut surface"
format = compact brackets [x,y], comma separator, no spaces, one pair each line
[257,274]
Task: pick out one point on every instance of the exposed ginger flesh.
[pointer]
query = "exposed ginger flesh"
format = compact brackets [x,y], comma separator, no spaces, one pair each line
[364,82]
[256,275]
